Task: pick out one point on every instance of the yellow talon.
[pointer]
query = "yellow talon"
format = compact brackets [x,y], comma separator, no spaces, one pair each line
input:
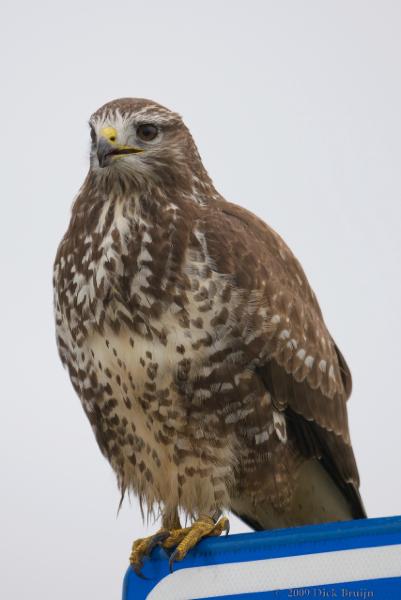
[202,527]
[143,547]
[175,537]
[182,539]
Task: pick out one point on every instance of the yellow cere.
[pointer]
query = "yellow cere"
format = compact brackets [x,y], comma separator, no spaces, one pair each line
[109,133]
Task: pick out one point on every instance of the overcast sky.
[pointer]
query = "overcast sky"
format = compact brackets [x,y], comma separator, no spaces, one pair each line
[295,107]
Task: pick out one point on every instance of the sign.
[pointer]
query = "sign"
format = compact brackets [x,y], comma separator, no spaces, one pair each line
[353,560]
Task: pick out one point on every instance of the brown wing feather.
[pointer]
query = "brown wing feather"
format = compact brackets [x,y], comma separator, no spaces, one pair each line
[314,440]
[304,370]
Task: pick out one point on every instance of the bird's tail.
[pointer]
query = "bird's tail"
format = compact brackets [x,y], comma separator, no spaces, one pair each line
[317,498]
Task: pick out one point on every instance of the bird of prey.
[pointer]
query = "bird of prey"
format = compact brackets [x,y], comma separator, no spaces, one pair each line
[195,343]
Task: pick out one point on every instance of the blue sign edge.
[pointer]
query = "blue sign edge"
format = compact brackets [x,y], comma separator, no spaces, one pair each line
[276,543]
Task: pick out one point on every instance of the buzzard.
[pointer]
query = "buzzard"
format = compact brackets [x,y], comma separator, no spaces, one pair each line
[195,343]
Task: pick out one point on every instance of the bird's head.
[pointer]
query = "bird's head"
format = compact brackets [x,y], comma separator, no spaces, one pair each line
[143,141]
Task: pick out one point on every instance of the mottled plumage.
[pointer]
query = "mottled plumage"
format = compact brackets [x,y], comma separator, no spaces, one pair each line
[194,340]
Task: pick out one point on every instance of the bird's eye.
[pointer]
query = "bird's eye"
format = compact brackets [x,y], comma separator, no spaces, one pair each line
[93,135]
[147,132]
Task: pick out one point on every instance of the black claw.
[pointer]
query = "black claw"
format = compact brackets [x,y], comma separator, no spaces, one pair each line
[227,528]
[172,560]
[137,570]
[156,540]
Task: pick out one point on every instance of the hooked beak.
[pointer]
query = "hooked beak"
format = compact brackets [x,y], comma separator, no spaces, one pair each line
[108,151]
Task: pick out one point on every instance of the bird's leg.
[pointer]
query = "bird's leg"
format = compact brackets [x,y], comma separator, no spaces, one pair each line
[185,539]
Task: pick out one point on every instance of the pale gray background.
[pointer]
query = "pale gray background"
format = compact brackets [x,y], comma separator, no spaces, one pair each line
[295,106]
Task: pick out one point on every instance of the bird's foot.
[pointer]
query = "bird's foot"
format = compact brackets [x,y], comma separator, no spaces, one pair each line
[185,539]
[182,539]
[143,547]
